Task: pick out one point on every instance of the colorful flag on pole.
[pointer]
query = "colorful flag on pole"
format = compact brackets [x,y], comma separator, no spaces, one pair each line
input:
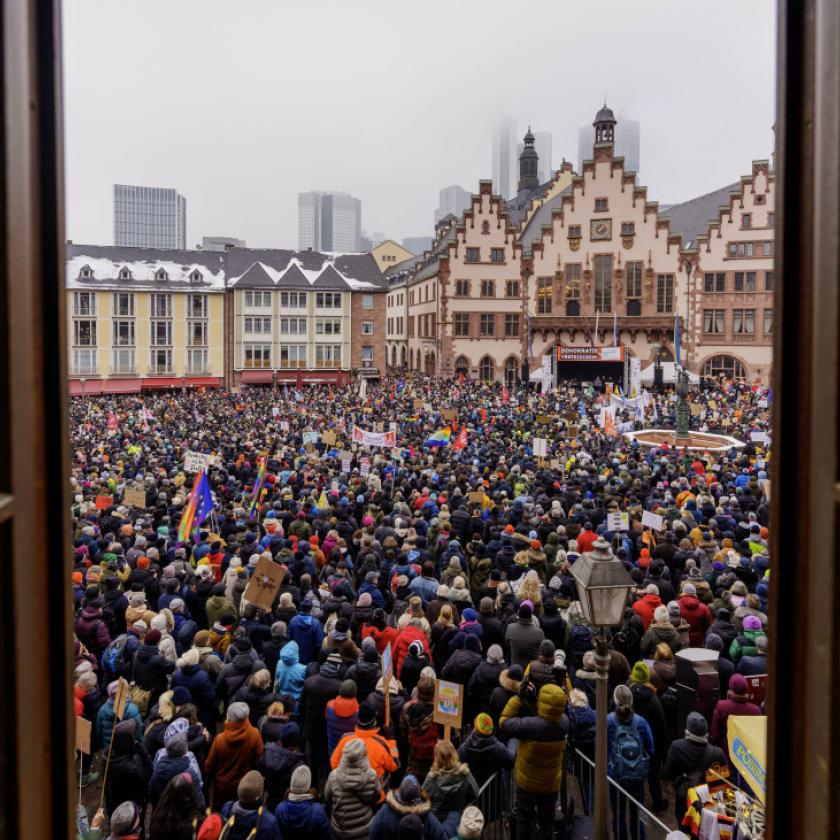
[258,488]
[113,423]
[199,506]
[505,394]
[439,438]
[461,440]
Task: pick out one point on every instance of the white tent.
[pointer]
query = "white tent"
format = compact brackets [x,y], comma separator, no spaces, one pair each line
[669,370]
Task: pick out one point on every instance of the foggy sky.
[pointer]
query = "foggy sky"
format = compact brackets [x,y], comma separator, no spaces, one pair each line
[241,104]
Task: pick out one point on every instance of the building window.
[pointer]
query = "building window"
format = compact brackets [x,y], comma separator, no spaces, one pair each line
[750,284]
[367,301]
[497,255]
[161,334]
[768,249]
[512,325]
[768,281]
[259,326]
[602,205]
[125,273]
[743,321]
[328,300]
[293,300]
[462,288]
[664,292]
[293,326]
[461,322]
[572,275]
[328,355]
[161,275]
[726,366]
[196,333]
[771,219]
[123,361]
[488,288]
[197,361]
[634,271]
[486,369]
[257,299]
[292,355]
[603,282]
[741,249]
[367,353]
[485,227]
[327,326]
[574,231]
[196,276]
[124,304]
[545,293]
[161,306]
[123,333]
[84,362]
[486,324]
[85,273]
[257,355]
[84,333]
[714,281]
[84,303]
[196,306]
[768,322]
[512,288]
[628,228]
[367,327]
[411,326]
[713,321]
[472,256]
[160,361]
[746,221]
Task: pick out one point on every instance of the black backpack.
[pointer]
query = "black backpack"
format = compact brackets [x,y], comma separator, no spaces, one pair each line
[113,657]
[185,636]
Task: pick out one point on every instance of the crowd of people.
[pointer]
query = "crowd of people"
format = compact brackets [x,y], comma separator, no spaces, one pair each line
[449,558]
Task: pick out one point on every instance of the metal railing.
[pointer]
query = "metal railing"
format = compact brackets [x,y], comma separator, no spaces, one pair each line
[495,799]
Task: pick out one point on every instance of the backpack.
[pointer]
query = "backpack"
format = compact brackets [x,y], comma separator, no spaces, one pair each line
[137,694]
[580,641]
[184,637]
[627,641]
[628,760]
[685,781]
[113,657]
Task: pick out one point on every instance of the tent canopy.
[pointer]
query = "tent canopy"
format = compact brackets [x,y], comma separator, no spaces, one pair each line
[669,372]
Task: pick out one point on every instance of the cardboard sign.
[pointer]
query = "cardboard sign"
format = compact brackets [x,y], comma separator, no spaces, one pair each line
[195,461]
[264,583]
[134,498]
[103,502]
[476,497]
[756,689]
[121,698]
[653,520]
[759,437]
[540,447]
[544,419]
[449,414]
[284,425]
[418,405]
[345,465]
[83,728]
[328,438]
[618,521]
[695,410]
[573,431]
[365,466]
[554,463]
[448,704]
[311,438]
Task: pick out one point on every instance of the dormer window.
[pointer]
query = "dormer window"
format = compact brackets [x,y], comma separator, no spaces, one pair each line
[85,273]
[196,276]
[125,273]
[161,274]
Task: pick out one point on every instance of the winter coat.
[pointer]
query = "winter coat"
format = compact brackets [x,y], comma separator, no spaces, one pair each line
[167,768]
[318,690]
[485,755]
[451,790]
[382,754]
[492,632]
[376,700]
[382,637]
[365,674]
[645,607]
[216,606]
[342,716]
[460,666]
[698,616]
[744,645]
[351,792]
[500,695]
[386,824]
[304,819]
[648,705]
[202,691]
[234,675]
[307,631]
[657,633]
[92,631]
[106,717]
[277,765]
[290,673]
[247,819]
[751,666]
[151,670]
[727,632]
[643,732]
[542,739]
[411,669]
[484,679]
[735,704]
[130,768]
[523,640]
[234,752]
[258,701]
[399,651]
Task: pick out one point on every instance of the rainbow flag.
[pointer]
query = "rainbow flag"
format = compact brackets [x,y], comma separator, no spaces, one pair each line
[439,438]
[258,487]
[198,507]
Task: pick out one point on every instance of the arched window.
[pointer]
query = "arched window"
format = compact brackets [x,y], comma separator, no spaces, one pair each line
[462,365]
[486,369]
[726,366]
[404,357]
[511,367]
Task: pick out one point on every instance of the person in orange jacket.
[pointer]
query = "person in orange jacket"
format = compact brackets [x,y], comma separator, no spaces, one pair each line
[383,755]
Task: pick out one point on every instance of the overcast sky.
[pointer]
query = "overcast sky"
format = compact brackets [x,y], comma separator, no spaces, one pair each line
[241,104]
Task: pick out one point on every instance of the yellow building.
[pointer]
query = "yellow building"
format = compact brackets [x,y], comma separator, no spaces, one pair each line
[141,319]
[388,253]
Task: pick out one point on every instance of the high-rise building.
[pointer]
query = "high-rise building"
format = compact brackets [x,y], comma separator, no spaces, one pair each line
[220,243]
[329,221]
[149,217]
[452,200]
[417,244]
[627,142]
[505,158]
[543,142]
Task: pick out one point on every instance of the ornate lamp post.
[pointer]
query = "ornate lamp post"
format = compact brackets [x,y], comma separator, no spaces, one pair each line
[603,586]
[681,379]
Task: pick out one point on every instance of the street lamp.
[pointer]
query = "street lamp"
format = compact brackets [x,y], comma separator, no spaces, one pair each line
[603,586]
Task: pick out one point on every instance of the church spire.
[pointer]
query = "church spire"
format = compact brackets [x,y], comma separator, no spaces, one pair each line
[604,125]
[528,163]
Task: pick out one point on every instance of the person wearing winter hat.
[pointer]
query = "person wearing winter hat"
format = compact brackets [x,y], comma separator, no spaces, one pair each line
[247,816]
[524,638]
[483,752]
[234,752]
[126,823]
[342,714]
[383,755]
[736,703]
[410,799]
[688,759]
[351,793]
[300,816]
[485,678]
[471,825]
[510,682]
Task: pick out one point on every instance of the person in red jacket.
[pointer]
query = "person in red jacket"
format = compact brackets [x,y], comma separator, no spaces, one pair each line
[696,614]
[380,631]
[646,606]
[586,538]
[410,633]
[736,703]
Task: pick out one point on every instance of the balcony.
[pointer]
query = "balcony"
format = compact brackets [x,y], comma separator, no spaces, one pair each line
[651,325]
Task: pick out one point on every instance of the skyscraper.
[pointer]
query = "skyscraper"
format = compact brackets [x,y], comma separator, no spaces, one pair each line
[149,217]
[627,142]
[329,221]
[453,200]
[505,157]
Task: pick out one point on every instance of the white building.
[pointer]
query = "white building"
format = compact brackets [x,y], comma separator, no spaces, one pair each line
[149,217]
[329,221]
[627,143]
[452,200]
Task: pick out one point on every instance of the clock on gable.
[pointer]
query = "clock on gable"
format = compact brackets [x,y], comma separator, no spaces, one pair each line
[600,229]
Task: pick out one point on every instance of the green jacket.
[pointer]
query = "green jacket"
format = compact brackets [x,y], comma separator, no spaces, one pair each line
[744,645]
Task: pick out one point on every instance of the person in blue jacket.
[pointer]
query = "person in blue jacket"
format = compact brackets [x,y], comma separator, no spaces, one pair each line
[106,717]
[248,816]
[299,816]
[307,632]
[290,673]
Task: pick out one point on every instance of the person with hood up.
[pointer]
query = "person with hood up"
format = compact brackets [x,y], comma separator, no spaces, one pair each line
[176,759]
[647,604]
[539,722]
[218,605]
[463,661]
[411,800]
[449,783]
[307,632]
[164,623]
[130,769]
[485,678]
[510,681]
[91,628]
[106,717]
[471,824]
[247,816]
[299,816]
[351,793]
[736,703]
[234,752]
[661,631]
[383,755]
[483,752]
[342,714]
[523,638]
[696,614]
[290,673]
[279,760]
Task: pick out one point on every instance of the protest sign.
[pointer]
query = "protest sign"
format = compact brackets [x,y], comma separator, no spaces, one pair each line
[759,437]
[449,414]
[264,583]
[387,665]
[477,497]
[448,706]
[652,520]
[540,447]
[345,465]
[328,438]
[83,728]
[195,461]
[274,411]
[284,425]
[121,698]
[544,419]
[618,521]
[311,438]
[103,501]
[134,498]
[364,466]
[374,438]
[554,463]
[418,405]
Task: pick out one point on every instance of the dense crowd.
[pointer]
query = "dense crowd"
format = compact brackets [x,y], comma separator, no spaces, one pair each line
[243,722]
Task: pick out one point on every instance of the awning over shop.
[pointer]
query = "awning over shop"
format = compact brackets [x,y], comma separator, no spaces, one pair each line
[120,386]
[78,389]
[255,377]
[158,382]
[204,381]
[747,736]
